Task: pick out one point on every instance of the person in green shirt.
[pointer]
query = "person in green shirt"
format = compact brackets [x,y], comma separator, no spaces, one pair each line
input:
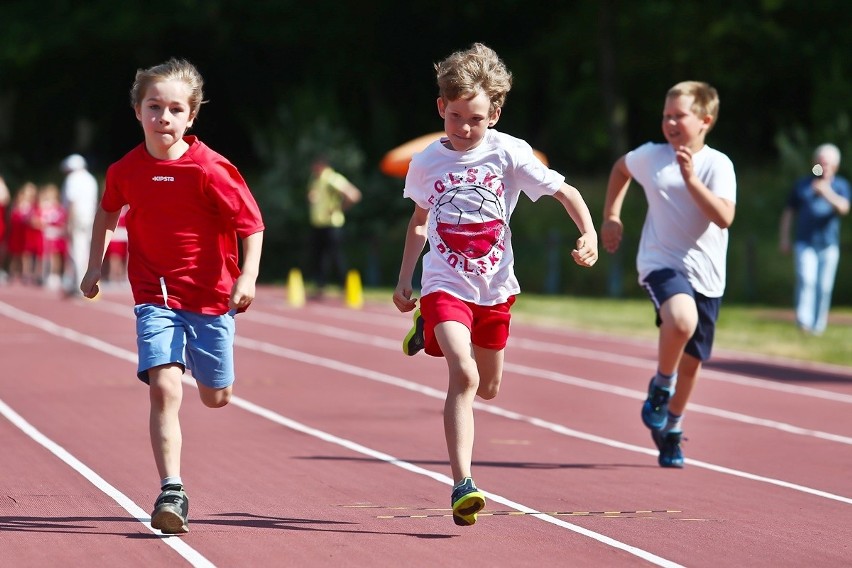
[329,195]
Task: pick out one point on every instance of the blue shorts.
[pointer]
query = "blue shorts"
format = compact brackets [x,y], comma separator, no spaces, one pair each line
[665,283]
[203,344]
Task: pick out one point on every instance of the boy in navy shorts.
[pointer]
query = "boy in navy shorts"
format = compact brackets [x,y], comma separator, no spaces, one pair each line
[464,187]
[188,208]
[691,193]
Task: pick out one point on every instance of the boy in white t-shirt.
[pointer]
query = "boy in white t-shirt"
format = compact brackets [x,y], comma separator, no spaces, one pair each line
[691,192]
[465,187]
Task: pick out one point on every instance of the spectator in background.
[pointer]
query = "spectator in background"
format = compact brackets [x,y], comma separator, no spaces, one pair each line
[816,202]
[21,234]
[115,259]
[329,195]
[52,220]
[80,199]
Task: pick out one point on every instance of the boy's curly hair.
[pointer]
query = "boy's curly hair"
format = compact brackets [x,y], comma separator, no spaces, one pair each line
[478,69]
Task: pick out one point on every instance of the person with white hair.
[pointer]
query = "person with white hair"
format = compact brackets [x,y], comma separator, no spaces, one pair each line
[80,198]
[817,202]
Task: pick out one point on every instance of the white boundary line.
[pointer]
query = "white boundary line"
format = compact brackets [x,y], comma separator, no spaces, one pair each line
[569,333]
[372,340]
[185,550]
[292,321]
[340,366]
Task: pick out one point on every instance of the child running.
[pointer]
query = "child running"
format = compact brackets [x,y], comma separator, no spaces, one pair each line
[188,206]
[691,192]
[465,187]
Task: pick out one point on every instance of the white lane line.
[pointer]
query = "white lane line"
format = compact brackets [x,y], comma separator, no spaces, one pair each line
[387,458]
[187,552]
[397,321]
[290,319]
[373,341]
[629,361]
[190,554]
[342,367]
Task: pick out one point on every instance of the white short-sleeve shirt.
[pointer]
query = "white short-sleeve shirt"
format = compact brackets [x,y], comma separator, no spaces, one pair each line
[80,197]
[676,233]
[470,197]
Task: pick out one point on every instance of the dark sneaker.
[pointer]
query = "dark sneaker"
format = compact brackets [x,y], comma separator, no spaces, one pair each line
[655,409]
[171,511]
[467,501]
[668,443]
[414,340]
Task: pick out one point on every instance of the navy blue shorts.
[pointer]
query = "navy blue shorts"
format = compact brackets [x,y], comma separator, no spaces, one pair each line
[665,283]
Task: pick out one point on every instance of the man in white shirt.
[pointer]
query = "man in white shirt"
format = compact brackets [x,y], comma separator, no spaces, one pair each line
[80,198]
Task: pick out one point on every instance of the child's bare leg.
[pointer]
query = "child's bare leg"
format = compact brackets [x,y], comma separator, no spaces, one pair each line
[166,394]
[454,339]
[489,363]
[215,398]
[679,318]
[687,374]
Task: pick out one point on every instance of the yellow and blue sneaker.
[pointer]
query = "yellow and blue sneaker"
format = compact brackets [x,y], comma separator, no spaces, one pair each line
[467,501]
[414,340]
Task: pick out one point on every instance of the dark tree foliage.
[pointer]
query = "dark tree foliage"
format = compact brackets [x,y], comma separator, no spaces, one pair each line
[285,79]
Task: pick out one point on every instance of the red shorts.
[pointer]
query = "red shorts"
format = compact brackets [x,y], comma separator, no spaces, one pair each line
[488,325]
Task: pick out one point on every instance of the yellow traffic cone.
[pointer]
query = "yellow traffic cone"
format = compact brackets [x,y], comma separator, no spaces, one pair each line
[295,288]
[354,293]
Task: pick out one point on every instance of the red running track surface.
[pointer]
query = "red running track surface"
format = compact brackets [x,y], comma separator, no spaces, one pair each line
[332,452]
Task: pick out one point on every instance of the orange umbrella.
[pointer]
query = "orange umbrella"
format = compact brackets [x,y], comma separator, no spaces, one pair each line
[395,163]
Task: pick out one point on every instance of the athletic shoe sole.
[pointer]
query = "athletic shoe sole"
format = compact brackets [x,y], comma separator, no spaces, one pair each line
[414,341]
[168,520]
[466,507]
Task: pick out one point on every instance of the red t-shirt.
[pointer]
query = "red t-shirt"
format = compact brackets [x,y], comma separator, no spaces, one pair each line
[182,226]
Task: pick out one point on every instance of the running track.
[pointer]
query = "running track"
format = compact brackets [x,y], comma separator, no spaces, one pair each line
[332,452]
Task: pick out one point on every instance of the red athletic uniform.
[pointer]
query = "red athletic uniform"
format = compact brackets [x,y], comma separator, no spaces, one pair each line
[183,224]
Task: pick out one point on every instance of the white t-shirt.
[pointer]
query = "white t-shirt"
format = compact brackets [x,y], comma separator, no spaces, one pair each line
[470,197]
[80,197]
[677,234]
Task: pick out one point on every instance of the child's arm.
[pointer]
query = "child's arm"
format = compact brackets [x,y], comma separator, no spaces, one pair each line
[586,253]
[243,292]
[415,240]
[102,229]
[719,211]
[616,190]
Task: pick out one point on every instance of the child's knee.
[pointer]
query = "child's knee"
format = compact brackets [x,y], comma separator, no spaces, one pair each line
[487,392]
[680,315]
[684,324]
[215,398]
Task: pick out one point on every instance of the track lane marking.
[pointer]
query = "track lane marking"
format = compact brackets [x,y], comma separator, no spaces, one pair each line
[185,550]
[493,409]
[383,343]
[189,554]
